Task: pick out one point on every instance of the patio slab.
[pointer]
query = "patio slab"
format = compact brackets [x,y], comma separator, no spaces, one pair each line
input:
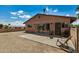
[45,40]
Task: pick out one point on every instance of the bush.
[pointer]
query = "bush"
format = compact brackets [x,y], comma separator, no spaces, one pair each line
[29,25]
[1,26]
[66,33]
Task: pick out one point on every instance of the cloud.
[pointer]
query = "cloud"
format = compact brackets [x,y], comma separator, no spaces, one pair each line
[47,9]
[50,10]
[55,10]
[13,17]
[3,22]
[77,12]
[25,16]
[20,12]
[67,14]
[13,13]
[17,12]
[17,23]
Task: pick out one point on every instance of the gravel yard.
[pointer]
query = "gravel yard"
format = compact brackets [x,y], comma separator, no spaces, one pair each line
[11,42]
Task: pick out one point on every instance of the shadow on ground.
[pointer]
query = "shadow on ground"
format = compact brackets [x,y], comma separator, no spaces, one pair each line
[46,34]
[67,48]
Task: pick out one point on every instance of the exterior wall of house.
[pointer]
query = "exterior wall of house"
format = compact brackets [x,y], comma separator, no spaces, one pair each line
[43,19]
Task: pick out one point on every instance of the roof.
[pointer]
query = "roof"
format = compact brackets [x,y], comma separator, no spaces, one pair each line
[49,15]
[76,22]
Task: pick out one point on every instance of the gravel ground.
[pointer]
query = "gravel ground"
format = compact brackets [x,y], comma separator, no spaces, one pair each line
[10,42]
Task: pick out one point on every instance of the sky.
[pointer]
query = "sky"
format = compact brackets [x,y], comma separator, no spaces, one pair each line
[17,14]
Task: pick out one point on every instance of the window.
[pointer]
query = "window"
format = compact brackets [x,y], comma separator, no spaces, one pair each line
[29,25]
[40,27]
[48,27]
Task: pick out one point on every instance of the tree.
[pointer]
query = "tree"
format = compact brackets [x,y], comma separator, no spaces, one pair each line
[9,24]
[6,27]
[77,12]
[1,26]
[77,8]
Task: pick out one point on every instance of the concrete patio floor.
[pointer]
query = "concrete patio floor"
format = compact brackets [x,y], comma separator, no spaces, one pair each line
[45,40]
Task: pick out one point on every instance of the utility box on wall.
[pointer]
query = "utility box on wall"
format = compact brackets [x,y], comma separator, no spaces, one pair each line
[75,37]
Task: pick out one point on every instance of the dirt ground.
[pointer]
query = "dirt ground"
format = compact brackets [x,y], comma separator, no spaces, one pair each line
[11,42]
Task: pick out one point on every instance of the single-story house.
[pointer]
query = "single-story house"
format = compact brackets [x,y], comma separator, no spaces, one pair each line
[46,23]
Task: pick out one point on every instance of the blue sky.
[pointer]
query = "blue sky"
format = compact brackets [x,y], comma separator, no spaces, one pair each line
[17,14]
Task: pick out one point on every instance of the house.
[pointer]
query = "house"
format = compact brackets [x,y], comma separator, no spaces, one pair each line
[18,28]
[46,23]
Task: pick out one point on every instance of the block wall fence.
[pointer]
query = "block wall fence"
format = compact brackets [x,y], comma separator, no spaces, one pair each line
[74,32]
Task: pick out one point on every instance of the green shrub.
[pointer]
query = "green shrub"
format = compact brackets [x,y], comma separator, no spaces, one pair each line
[29,25]
[1,26]
[66,33]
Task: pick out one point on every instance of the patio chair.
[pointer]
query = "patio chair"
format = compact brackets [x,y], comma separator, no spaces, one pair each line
[63,43]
